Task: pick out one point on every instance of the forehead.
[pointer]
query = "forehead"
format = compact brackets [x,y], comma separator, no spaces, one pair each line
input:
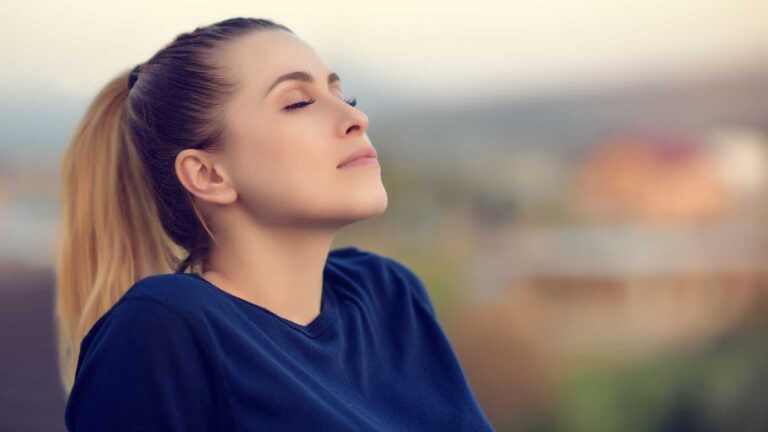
[256,59]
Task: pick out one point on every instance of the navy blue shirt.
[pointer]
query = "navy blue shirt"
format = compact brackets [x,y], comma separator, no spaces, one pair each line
[177,353]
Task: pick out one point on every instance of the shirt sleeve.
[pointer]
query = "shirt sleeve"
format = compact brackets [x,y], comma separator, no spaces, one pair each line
[145,370]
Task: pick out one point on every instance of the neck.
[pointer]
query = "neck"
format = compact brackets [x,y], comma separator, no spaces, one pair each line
[277,267]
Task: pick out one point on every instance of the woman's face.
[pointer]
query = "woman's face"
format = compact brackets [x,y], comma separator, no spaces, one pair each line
[283,163]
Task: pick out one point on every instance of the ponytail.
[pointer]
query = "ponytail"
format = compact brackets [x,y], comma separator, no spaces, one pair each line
[125,214]
[110,235]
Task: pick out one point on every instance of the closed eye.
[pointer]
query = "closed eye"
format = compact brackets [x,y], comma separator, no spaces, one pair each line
[302,104]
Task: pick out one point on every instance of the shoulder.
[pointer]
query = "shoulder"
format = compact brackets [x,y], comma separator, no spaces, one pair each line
[141,316]
[360,263]
[163,303]
[129,322]
[354,257]
[139,347]
[159,297]
[383,265]
[389,277]
[179,292]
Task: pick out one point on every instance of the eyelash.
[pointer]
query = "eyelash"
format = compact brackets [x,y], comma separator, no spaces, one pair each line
[299,105]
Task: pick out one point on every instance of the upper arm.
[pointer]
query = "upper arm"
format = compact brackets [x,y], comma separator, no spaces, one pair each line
[145,370]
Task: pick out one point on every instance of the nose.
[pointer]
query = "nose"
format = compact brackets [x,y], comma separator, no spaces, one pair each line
[355,121]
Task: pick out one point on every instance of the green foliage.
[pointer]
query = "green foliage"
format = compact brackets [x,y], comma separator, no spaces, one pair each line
[722,386]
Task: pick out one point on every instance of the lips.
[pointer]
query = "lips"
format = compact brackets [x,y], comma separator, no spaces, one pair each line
[369,152]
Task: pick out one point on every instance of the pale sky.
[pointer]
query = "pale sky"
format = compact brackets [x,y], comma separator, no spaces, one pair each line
[437,49]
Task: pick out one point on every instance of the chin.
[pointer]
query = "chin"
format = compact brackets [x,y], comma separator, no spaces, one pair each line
[383,202]
[370,204]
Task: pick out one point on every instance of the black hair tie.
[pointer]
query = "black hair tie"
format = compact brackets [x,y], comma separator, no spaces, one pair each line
[134,76]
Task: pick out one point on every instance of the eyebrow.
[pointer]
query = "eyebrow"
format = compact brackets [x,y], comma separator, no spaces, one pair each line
[301,76]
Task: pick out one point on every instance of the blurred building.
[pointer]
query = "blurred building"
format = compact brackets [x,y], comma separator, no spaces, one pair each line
[648,177]
[669,251]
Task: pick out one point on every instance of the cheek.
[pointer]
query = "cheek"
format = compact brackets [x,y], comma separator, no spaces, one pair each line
[300,152]
[287,168]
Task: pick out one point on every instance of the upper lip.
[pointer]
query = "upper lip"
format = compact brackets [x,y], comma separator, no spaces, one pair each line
[363,152]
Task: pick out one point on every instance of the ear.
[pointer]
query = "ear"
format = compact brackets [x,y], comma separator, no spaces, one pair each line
[202,176]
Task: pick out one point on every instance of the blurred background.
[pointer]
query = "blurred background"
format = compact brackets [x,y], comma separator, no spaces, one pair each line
[581,185]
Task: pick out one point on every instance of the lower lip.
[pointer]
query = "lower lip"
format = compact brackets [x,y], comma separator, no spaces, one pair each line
[361,161]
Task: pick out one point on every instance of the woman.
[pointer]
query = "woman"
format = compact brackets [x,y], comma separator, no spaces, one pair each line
[230,144]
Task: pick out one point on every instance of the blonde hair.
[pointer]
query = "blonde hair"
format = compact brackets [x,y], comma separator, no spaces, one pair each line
[110,234]
[125,215]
